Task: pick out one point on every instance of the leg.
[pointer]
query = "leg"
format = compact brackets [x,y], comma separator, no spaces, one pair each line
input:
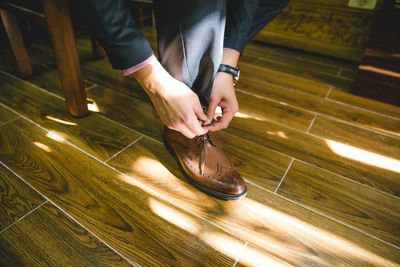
[190,41]
[63,40]
[17,44]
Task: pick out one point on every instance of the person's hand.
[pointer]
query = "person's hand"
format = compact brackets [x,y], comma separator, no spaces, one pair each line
[223,95]
[177,105]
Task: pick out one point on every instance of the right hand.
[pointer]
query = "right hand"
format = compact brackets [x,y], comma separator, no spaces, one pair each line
[177,105]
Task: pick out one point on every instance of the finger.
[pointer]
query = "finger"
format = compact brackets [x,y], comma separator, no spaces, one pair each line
[223,122]
[195,126]
[198,110]
[185,131]
[211,110]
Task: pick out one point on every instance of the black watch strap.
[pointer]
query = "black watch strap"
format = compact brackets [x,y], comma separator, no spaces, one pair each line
[235,72]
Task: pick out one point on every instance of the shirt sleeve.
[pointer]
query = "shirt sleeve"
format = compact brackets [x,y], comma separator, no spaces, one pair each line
[139,66]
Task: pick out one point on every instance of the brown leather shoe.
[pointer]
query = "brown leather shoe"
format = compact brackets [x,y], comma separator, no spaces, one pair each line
[206,165]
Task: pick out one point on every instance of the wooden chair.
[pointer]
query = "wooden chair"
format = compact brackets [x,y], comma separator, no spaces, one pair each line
[57,19]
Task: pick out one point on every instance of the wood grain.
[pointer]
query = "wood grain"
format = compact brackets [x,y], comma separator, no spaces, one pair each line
[50,238]
[316,72]
[284,79]
[120,210]
[256,163]
[277,229]
[299,99]
[131,112]
[48,79]
[95,134]
[16,198]
[371,211]
[6,115]
[365,139]
[338,94]
[315,151]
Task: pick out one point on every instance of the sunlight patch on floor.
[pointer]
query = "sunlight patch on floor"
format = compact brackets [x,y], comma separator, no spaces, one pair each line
[61,121]
[364,156]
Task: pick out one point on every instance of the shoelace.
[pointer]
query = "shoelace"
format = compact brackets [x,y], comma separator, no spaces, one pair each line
[204,139]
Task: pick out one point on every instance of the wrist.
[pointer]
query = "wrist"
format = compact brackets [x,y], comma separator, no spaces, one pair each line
[230,57]
[152,77]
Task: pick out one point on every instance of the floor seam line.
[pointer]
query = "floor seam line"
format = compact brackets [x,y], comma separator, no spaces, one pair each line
[363,109]
[311,123]
[24,216]
[131,129]
[241,253]
[308,110]
[329,92]
[123,149]
[9,121]
[31,84]
[90,87]
[327,116]
[67,214]
[338,74]
[284,175]
[328,217]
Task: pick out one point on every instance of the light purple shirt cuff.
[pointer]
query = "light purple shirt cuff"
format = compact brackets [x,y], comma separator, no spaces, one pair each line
[139,66]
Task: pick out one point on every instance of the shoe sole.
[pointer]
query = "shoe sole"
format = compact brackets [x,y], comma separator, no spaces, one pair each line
[202,188]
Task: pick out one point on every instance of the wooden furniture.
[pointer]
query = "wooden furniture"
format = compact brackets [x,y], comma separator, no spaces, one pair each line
[56,17]
[378,75]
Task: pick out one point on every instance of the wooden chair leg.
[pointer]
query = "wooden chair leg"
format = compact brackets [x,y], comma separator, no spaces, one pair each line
[17,44]
[63,40]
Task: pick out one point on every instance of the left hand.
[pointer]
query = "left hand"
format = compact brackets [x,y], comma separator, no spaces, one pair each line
[223,95]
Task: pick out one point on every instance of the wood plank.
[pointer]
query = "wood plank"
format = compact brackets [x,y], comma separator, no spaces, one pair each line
[16,198]
[120,210]
[371,211]
[317,104]
[48,79]
[299,69]
[6,115]
[131,112]
[276,229]
[141,114]
[281,78]
[362,102]
[256,163]
[97,135]
[313,150]
[357,137]
[48,237]
[101,72]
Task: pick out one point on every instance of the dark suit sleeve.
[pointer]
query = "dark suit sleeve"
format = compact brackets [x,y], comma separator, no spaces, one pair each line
[239,18]
[245,18]
[111,23]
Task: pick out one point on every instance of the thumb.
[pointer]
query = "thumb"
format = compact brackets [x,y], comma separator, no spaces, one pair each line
[211,110]
[198,110]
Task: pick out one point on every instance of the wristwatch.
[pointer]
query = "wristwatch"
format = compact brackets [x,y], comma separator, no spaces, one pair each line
[235,72]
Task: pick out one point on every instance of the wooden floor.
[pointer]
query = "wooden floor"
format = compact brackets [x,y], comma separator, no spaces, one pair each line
[322,168]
